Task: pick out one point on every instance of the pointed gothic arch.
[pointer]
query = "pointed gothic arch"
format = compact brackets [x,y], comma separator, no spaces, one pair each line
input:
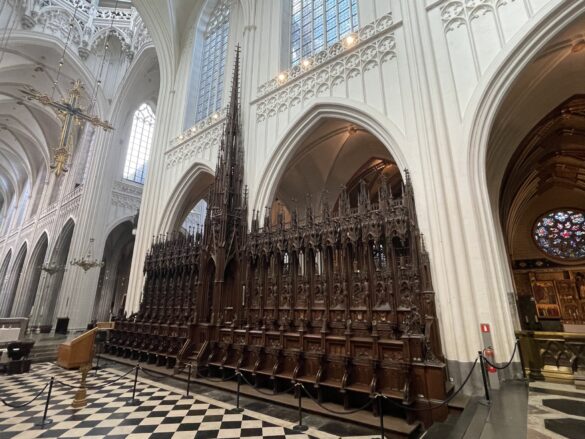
[113,280]
[192,188]
[287,147]
[489,154]
[43,312]
[24,305]
[4,277]
[13,282]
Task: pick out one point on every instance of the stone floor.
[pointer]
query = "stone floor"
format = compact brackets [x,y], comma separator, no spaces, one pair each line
[164,410]
[555,411]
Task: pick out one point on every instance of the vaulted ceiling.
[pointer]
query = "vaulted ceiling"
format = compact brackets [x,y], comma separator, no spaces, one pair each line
[552,155]
[27,129]
[335,154]
[170,23]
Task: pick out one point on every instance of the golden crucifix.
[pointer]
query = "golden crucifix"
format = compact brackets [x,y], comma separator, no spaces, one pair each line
[70,114]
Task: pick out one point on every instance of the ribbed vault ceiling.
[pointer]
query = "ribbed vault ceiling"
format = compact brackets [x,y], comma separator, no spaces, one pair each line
[28,130]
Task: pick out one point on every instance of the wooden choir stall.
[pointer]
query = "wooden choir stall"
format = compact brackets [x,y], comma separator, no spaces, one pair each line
[338,298]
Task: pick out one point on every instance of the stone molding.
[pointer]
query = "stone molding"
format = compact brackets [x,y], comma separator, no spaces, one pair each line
[337,64]
[199,141]
[92,24]
[457,13]
[126,195]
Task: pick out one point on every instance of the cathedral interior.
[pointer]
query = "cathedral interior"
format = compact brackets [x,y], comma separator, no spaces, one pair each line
[292,218]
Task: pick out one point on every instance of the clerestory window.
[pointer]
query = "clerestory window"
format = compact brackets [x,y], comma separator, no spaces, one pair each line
[139,145]
[317,24]
[211,81]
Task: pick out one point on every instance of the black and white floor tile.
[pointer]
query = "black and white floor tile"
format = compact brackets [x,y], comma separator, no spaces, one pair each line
[163,412]
[555,411]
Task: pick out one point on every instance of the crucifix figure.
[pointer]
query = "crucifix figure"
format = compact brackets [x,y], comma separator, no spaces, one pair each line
[70,113]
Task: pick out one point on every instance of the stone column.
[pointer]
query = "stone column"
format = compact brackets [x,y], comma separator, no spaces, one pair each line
[77,294]
[468,292]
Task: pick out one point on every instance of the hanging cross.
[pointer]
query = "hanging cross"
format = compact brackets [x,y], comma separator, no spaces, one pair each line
[69,113]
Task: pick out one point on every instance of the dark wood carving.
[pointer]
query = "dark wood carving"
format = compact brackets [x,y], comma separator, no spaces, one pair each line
[340,299]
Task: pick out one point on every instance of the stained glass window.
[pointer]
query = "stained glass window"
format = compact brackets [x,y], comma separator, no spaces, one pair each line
[561,234]
[213,61]
[317,24]
[139,145]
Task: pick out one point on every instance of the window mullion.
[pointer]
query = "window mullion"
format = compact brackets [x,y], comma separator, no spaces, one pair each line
[324,23]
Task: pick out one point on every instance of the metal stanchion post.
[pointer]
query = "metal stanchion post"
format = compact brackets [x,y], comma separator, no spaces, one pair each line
[237,409]
[300,426]
[484,377]
[381,412]
[189,379]
[133,400]
[44,422]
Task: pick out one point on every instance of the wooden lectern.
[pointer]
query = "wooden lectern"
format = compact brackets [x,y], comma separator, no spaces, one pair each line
[77,352]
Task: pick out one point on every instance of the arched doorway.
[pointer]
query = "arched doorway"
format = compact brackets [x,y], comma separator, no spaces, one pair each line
[13,282]
[534,173]
[44,309]
[541,208]
[32,278]
[187,208]
[113,282]
[4,278]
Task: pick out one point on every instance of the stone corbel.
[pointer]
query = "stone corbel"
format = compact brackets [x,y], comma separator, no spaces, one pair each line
[83,50]
[29,10]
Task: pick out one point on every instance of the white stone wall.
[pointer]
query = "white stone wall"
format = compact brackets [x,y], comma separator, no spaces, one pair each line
[424,79]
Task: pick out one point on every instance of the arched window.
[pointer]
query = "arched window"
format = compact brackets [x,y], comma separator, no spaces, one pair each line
[561,234]
[317,24]
[213,61]
[139,144]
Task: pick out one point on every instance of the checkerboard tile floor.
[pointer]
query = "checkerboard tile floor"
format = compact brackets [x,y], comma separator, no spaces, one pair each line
[162,413]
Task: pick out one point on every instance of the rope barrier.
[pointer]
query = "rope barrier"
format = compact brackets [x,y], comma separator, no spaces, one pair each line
[301,385]
[507,364]
[350,412]
[265,393]
[446,401]
[94,387]
[217,380]
[17,406]
[152,374]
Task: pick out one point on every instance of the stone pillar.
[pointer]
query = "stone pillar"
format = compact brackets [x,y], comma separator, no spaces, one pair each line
[468,292]
[167,124]
[77,294]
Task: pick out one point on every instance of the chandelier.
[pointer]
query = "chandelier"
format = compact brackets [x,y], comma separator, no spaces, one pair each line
[72,116]
[51,268]
[86,262]
[68,109]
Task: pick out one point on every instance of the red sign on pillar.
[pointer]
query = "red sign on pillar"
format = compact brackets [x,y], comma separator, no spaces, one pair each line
[485,327]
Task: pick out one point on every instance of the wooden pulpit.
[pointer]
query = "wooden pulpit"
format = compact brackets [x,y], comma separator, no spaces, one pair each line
[78,351]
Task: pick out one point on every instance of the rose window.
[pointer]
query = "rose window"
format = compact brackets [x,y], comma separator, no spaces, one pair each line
[561,234]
